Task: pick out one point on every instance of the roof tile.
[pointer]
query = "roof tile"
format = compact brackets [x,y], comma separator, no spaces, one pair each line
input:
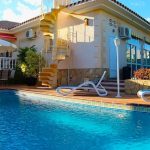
[7,24]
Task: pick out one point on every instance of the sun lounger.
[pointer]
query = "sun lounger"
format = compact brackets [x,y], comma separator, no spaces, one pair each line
[88,85]
[143,93]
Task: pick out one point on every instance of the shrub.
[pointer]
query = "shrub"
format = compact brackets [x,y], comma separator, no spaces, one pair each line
[23,51]
[31,68]
[143,74]
[30,62]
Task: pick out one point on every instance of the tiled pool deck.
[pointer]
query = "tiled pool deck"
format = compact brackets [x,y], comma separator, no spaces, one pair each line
[129,102]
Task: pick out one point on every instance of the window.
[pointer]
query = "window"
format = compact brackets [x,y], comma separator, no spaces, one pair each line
[146,59]
[146,56]
[133,55]
[128,53]
[137,58]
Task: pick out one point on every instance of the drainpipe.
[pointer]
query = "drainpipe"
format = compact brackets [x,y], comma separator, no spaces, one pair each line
[117,44]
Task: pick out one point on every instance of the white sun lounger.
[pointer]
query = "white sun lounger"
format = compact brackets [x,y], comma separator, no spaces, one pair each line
[143,93]
[88,85]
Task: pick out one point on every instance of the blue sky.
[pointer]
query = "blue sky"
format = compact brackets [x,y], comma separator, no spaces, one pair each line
[142,7]
[21,10]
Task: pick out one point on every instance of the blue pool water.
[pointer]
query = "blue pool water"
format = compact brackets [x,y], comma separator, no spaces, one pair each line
[33,125]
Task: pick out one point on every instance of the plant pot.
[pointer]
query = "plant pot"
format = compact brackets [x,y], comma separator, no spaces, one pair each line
[31,81]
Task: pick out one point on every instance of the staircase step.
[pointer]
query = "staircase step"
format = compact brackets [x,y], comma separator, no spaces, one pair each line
[54,11]
[51,70]
[47,34]
[53,66]
[108,88]
[46,30]
[46,22]
[112,84]
[47,27]
[48,18]
[45,74]
[42,78]
[47,77]
[121,81]
[60,57]
[49,84]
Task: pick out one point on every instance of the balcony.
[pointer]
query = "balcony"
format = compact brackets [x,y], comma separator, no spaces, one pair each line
[7,63]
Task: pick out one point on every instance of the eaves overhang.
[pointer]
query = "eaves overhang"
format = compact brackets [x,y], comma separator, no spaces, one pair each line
[112,7]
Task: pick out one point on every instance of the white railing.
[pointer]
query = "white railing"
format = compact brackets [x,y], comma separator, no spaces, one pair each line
[7,63]
[57,3]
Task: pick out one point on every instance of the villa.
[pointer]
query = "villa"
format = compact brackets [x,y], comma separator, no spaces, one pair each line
[80,41]
[77,40]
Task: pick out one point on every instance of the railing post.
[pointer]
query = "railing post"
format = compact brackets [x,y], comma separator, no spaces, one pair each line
[3,63]
[0,63]
[9,62]
[15,63]
[12,64]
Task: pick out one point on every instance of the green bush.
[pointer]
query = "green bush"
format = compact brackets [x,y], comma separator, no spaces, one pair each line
[142,74]
[30,62]
[22,53]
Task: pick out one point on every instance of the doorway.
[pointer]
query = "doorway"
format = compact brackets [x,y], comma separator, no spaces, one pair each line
[112,58]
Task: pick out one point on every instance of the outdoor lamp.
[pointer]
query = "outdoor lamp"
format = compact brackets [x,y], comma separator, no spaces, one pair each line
[86,21]
[117,44]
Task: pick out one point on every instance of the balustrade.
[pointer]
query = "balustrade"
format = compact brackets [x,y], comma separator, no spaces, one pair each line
[7,63]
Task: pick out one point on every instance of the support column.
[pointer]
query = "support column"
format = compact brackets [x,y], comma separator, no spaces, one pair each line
[142,52]
[0,63]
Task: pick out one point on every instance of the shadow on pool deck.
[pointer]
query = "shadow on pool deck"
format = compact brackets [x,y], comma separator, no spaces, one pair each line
[130,100]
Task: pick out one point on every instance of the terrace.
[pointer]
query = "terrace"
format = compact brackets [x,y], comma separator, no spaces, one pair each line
[43,119]
[7,48]
[127,102]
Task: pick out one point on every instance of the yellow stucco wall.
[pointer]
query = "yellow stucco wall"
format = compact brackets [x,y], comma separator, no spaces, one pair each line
[84,41]
[89,44]
[38,41]
[112,31]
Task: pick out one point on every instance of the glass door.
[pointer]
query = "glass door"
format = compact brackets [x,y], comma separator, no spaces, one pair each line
[133,55]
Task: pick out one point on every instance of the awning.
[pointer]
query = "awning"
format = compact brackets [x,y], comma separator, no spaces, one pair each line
[9,37]
[6,46]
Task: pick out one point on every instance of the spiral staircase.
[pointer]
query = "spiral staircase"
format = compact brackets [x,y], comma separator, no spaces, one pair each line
[48,26]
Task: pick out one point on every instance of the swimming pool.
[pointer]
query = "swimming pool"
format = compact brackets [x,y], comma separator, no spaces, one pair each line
[33,124]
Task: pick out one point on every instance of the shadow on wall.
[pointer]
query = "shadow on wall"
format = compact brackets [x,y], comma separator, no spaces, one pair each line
[79,28]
